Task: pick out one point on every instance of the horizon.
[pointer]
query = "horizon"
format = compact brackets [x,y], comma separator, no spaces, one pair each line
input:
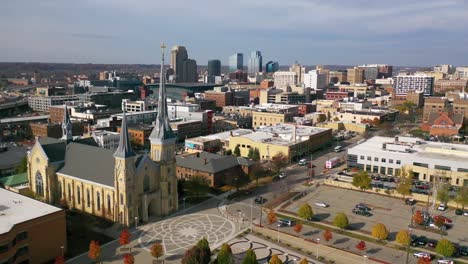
[335,32]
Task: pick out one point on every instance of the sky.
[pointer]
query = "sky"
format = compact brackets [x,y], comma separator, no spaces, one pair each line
[340,32]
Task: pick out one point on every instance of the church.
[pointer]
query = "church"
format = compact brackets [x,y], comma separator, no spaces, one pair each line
[118,185]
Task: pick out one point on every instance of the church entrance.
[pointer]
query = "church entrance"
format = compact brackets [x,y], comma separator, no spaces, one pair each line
[152,208]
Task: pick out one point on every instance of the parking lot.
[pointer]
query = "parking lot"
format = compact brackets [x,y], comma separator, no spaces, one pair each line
[390,211]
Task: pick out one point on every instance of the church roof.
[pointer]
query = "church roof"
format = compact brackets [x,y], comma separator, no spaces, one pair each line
[89,163]
[53,148]
[125,149]
[211,163]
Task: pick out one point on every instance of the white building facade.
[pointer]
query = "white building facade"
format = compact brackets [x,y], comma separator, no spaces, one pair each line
[283,79]
[315,80]
[414,83]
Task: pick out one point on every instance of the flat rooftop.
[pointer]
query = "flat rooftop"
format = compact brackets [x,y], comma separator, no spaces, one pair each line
[16,209]
[23,119]
[222,136]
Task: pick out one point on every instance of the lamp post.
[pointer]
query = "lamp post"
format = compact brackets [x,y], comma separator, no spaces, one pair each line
[251,216]
[410,231]
[183,199]
[318,242]
[62,248]
[136,221]
[365,258]
[277,233]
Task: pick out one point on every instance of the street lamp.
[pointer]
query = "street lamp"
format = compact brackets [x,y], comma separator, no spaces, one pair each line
[365,258]
[62,248]
[277,239]
[251,216]
[136,221]
[318,242]
[183,199]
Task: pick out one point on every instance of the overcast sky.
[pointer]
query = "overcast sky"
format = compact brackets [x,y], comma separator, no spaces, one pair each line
[346,32]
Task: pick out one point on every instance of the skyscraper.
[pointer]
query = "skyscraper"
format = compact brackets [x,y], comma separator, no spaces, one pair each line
[236,62]
[299,70]
[271,66]
[255,62]
[185,69]
[214,68]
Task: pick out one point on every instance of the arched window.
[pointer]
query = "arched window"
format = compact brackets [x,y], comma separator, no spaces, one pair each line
[108,202]
[60,189]
[146,183]
[121,199]
[78,194]
[98,200]
[69,191]
[88,198]
[39,184]
[169,188]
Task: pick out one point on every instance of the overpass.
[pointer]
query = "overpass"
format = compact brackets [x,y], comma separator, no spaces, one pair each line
[12,108]
[19,126]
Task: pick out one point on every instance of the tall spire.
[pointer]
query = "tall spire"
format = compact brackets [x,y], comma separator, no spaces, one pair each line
[66,126]
[162,130]
[125,149]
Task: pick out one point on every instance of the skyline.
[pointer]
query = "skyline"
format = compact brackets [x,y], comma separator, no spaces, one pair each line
[420,33]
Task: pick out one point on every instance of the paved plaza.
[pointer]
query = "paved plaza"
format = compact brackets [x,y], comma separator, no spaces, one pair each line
[180,233]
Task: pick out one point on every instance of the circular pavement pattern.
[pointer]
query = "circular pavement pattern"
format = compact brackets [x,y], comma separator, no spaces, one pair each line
[180,233]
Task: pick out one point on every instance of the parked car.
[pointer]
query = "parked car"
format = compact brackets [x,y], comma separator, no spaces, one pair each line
[410,201]
[303,162]
[432,243]
[286,222]
[363,207]
[445,261]
[422,255]
[282,175]
[419,241]
[446,220]
[459,211]
[362,212]
[461,251]
[260,200]
[322,204]
[338,148]
[442,207]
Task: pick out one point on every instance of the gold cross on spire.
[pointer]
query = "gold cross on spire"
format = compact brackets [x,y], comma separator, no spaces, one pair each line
[163,47]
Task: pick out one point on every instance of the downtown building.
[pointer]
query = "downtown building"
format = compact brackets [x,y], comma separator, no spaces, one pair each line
[404,83]
[236,62]
[185,69]
[255,63]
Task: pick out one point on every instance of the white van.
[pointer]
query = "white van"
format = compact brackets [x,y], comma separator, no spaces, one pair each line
[338,148]
[303,162]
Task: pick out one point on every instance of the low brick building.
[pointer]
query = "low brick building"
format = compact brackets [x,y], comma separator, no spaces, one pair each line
[443,124]
[219,170]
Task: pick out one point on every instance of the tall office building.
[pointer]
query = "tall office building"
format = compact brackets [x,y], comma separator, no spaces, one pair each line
[315,80]
[299,70]
[214,68]
[403,84]
[185,69]
[355,75]
[444,68]
[271,66]
[255,62]
[236,62]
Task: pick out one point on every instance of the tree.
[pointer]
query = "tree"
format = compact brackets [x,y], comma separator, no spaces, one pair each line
[279,161]
[424,260]
[380,231]
[237,152]
[443,194]
[129,259]
[256,172]
[361,246]
[439,222]
[157,250]
[197,185]
[250,257]
[23,166]
[305,211]
[298,228]
[327,235]
[362,180]
[192,256]
[225,255]
[404,185]
[341,220]
[304,261]
[271,216]
[275,260]
[403,237]
[251,153]
[124,238]
[94,252]
[462,196]
[445,248]
[205,252]
[59,260]
[418,217]
[256,154]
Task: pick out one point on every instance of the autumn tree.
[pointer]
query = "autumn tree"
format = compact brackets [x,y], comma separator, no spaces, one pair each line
[94,252]
[362,180]
[129,259]
[443,194]
[298,228]
[424,260]
[279,161]
[304,261]
[271,216]
[418,217]
[225,255]
[327,235]
[250,257]
[305,211]
[192,256]
[205,252]
[439,222]
[341,220]
[256,172]
[237,151]
[275,260]
[157,250]
[462,196]
[404,184]
[361,246]
[59,260]
[445,248]
[380,231]
[403,237]
[124,238]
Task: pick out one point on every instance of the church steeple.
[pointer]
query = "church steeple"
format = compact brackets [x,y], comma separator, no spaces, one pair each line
[162,130]
[67,134]
[125,149]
